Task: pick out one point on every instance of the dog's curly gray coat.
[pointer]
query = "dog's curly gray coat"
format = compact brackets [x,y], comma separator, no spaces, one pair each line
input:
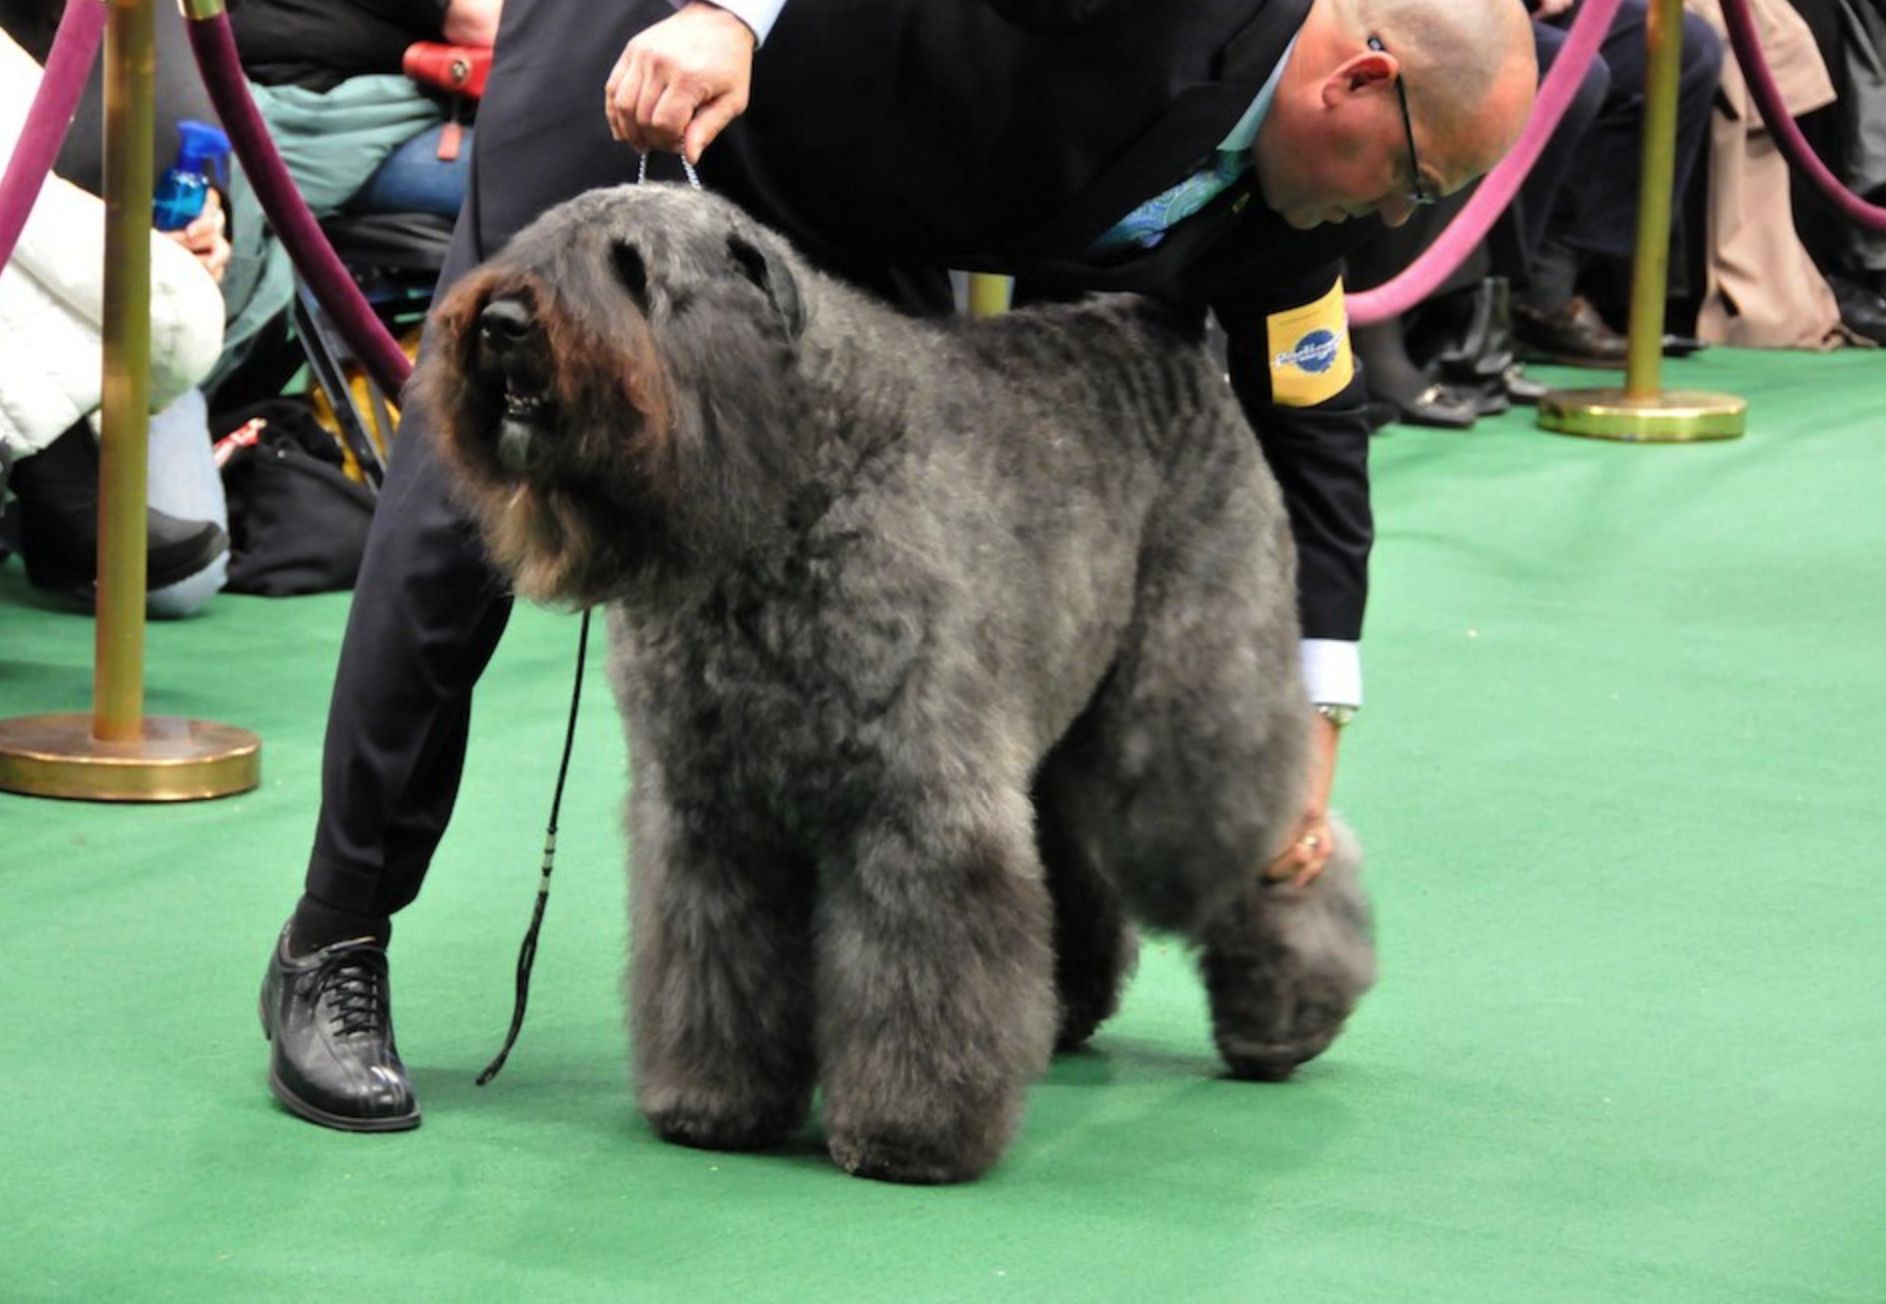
[943,648]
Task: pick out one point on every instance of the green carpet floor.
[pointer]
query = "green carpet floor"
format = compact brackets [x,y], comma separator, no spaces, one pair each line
[1619,778]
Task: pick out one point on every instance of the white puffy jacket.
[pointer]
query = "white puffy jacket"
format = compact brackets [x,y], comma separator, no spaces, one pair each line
[52,299]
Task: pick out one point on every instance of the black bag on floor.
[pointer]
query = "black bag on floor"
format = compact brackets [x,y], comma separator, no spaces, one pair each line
[297,524]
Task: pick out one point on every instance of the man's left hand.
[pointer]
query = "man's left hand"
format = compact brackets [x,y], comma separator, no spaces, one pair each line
[1311,841]
[678,84]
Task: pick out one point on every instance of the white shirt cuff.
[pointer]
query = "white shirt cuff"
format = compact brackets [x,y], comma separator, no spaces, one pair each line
[1332,671]
[757,14]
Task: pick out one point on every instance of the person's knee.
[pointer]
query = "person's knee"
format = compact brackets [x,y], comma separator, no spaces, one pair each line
[1702,59]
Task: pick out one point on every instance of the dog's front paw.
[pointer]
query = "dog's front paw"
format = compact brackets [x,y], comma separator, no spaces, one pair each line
[908,1158]
[1285,967]
[934,1139]
[717,1121]
[1276,1023]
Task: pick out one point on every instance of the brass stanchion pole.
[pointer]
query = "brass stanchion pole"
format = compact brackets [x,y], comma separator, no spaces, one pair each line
[1641,412]
[123,476]
[116,753]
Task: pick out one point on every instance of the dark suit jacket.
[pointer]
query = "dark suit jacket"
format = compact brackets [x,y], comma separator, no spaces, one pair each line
[999,135]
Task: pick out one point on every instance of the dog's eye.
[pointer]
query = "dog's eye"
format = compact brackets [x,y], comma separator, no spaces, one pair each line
[631,271]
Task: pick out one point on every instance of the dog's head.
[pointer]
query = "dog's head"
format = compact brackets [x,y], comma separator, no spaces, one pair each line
[617,387]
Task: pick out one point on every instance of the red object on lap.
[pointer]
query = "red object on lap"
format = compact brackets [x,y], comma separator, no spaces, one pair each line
[455,69]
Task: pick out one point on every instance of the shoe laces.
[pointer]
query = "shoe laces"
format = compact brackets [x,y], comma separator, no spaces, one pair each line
[355,990]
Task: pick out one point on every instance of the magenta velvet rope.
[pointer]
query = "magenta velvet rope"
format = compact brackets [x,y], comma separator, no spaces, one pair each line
[379,353]
[68,64]
[1781,124]
[1438,262]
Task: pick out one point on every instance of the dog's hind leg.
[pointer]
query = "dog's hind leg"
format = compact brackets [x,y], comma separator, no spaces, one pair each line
[1186,774]
[720,983]
[1094,946]
[1187,801]
[935,988]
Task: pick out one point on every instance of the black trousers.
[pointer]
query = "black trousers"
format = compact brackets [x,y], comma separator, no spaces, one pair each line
[427,613]
[428,609]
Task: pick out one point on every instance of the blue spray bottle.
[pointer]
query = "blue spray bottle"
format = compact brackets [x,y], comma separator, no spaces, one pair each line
[185,185]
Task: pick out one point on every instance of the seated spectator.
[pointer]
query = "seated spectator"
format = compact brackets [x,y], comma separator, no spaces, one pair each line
[51,350]
[353,130]
[1849,135]
[1577,211]
[1763,289]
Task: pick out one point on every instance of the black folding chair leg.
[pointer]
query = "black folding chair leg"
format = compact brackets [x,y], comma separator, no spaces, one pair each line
[324,351]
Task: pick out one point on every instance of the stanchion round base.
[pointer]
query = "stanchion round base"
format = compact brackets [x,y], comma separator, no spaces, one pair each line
[1673,417]
[175,760]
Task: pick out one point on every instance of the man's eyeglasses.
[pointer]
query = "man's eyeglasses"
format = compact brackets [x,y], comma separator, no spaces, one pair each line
[1419,195]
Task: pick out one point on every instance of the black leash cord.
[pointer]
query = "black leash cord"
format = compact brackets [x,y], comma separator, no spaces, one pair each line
[527,953]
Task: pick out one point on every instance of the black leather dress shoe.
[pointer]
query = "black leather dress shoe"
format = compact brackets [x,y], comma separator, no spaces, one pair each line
[1861,310]
[1440,406]
[329,1018]
[1521,388]
[1572,335]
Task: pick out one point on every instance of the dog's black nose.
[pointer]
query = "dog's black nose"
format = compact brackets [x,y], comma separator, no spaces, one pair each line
[506,322]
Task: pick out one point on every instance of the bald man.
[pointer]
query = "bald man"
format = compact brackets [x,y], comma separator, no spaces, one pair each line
[1219,154]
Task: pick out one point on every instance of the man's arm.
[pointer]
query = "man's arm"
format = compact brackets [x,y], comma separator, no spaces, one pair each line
[1295,378]
[679,83]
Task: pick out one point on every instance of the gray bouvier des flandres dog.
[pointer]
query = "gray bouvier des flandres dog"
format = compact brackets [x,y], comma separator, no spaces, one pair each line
[943,648]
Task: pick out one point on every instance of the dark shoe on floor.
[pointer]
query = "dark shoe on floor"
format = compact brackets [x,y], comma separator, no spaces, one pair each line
[1439,406]
[57,489]
[1571,335]
[1521,388]
[1488,397]
[1861,310]
[1485,346]
[174,551]
[329,1019]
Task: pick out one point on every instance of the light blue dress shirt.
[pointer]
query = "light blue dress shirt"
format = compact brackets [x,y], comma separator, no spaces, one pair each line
[757,14]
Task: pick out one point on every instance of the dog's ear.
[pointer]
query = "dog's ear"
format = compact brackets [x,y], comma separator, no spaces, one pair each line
[766,269]
[631,271]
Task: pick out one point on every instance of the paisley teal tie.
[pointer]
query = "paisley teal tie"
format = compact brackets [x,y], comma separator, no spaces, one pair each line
[1147,225]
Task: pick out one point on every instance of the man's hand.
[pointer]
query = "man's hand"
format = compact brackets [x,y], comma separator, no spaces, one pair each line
[1303,858]
[204,237]
[681,81]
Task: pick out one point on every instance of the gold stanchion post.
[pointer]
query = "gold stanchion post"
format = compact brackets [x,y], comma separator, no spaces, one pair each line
[117,753]
[1641,412]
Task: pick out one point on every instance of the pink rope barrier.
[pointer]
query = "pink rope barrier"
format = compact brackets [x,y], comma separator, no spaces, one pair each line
[1438,262]
[215,48]
[68,64]
[1781,124]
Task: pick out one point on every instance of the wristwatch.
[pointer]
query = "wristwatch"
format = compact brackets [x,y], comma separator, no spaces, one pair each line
[1337,713]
